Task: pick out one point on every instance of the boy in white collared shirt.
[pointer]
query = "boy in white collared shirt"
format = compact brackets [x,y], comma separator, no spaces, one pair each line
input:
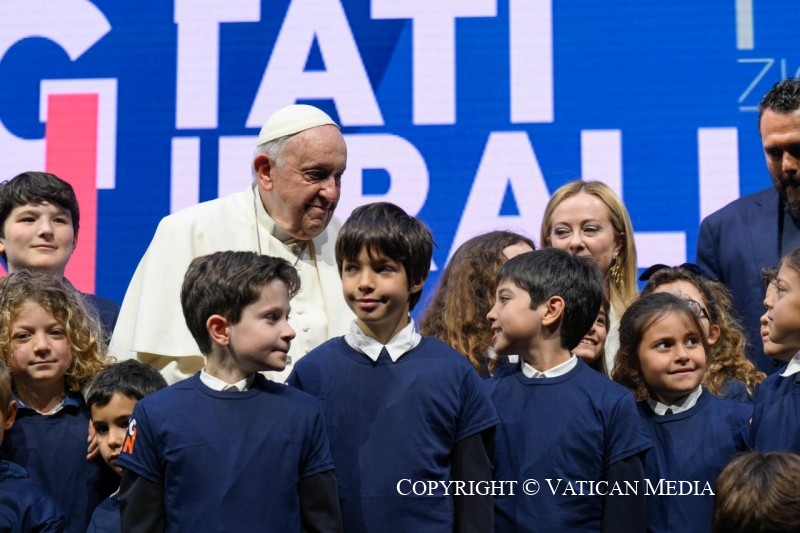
[399,406]
[228,450]
[561,423]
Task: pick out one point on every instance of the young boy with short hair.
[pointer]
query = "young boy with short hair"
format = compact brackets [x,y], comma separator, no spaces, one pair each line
[39,221]
[562,424]
[399,406]
[24,504]
[112,395]
[228,450]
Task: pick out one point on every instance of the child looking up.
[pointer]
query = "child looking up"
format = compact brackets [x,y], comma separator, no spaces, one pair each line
[694,433]
[24,504]
[53,347]
[457,311]
[111,398]
[776,413]
[780,353]
[560,420]
[729,373]
[228,450]
[399,406]
[39,221]
[592,346]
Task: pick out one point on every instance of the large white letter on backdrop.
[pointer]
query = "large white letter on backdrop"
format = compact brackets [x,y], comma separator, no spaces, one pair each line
[434,44]
[197,91]
[408,173]
[344,79]
[508,162]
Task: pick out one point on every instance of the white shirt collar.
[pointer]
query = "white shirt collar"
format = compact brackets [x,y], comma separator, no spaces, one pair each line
[217,384]
[405,339]
[558,370]
[793,367]
[684,404]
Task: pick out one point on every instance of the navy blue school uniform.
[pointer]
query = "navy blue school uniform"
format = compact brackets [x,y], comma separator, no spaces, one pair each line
[392,421]
[52,448]
[24,504]
[776,415]
[106,517]
[228,460]
[735,389]
[693,445]
[560,431]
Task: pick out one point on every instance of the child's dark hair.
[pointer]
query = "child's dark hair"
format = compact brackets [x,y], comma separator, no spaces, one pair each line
[465,294]
[791,260]
[553,272]
[633,325]
[130,378]
[383,228]
[224,283]
[758,493]
[5,389]
[36,188]
[80,322]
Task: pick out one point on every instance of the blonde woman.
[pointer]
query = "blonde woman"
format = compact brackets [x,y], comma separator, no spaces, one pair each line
[587,218]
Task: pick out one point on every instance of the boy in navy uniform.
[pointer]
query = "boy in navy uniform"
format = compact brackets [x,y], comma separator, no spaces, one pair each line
[228,450]
[562,423]
[39,221]
[24,504]
[398,405]
[111,398]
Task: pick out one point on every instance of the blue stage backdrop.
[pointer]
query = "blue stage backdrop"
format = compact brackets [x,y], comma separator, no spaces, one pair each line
[468,113]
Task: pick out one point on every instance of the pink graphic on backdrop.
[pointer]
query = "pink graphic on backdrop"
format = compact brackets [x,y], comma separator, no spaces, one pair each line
[71,138]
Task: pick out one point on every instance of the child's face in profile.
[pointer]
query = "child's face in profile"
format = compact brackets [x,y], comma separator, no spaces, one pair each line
[773,349]
[672,358]
[513,322]
[40,353]
[784,308]
[591,346]
[377,290]
[110,424]
[261,338]
[38,236]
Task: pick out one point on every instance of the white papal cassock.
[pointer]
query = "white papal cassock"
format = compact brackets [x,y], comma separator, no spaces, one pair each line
[151,326]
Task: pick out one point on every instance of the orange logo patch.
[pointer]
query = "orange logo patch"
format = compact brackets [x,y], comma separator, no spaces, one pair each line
[130,438]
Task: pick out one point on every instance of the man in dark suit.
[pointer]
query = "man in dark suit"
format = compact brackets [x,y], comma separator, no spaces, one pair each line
[751,233]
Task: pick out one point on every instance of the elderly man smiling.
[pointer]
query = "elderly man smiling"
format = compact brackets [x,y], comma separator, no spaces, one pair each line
[287,212]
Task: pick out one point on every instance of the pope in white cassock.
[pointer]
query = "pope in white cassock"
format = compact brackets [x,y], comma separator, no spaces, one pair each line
[287,212]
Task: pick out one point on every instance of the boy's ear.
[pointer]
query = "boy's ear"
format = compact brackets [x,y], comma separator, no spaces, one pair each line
[416,287]
[553,311]
[11,414]
[262,164]
[218,330]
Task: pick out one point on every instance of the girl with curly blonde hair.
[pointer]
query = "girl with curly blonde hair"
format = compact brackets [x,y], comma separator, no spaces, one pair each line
[52,346]
[729,373]
[457,311]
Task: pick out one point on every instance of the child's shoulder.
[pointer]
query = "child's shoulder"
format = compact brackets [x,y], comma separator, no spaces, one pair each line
[775,384]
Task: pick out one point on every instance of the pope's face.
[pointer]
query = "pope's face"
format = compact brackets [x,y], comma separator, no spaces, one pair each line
[301,192]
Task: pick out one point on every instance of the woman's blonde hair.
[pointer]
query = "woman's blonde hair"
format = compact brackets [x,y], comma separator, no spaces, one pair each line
[81,325]
[622,288]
